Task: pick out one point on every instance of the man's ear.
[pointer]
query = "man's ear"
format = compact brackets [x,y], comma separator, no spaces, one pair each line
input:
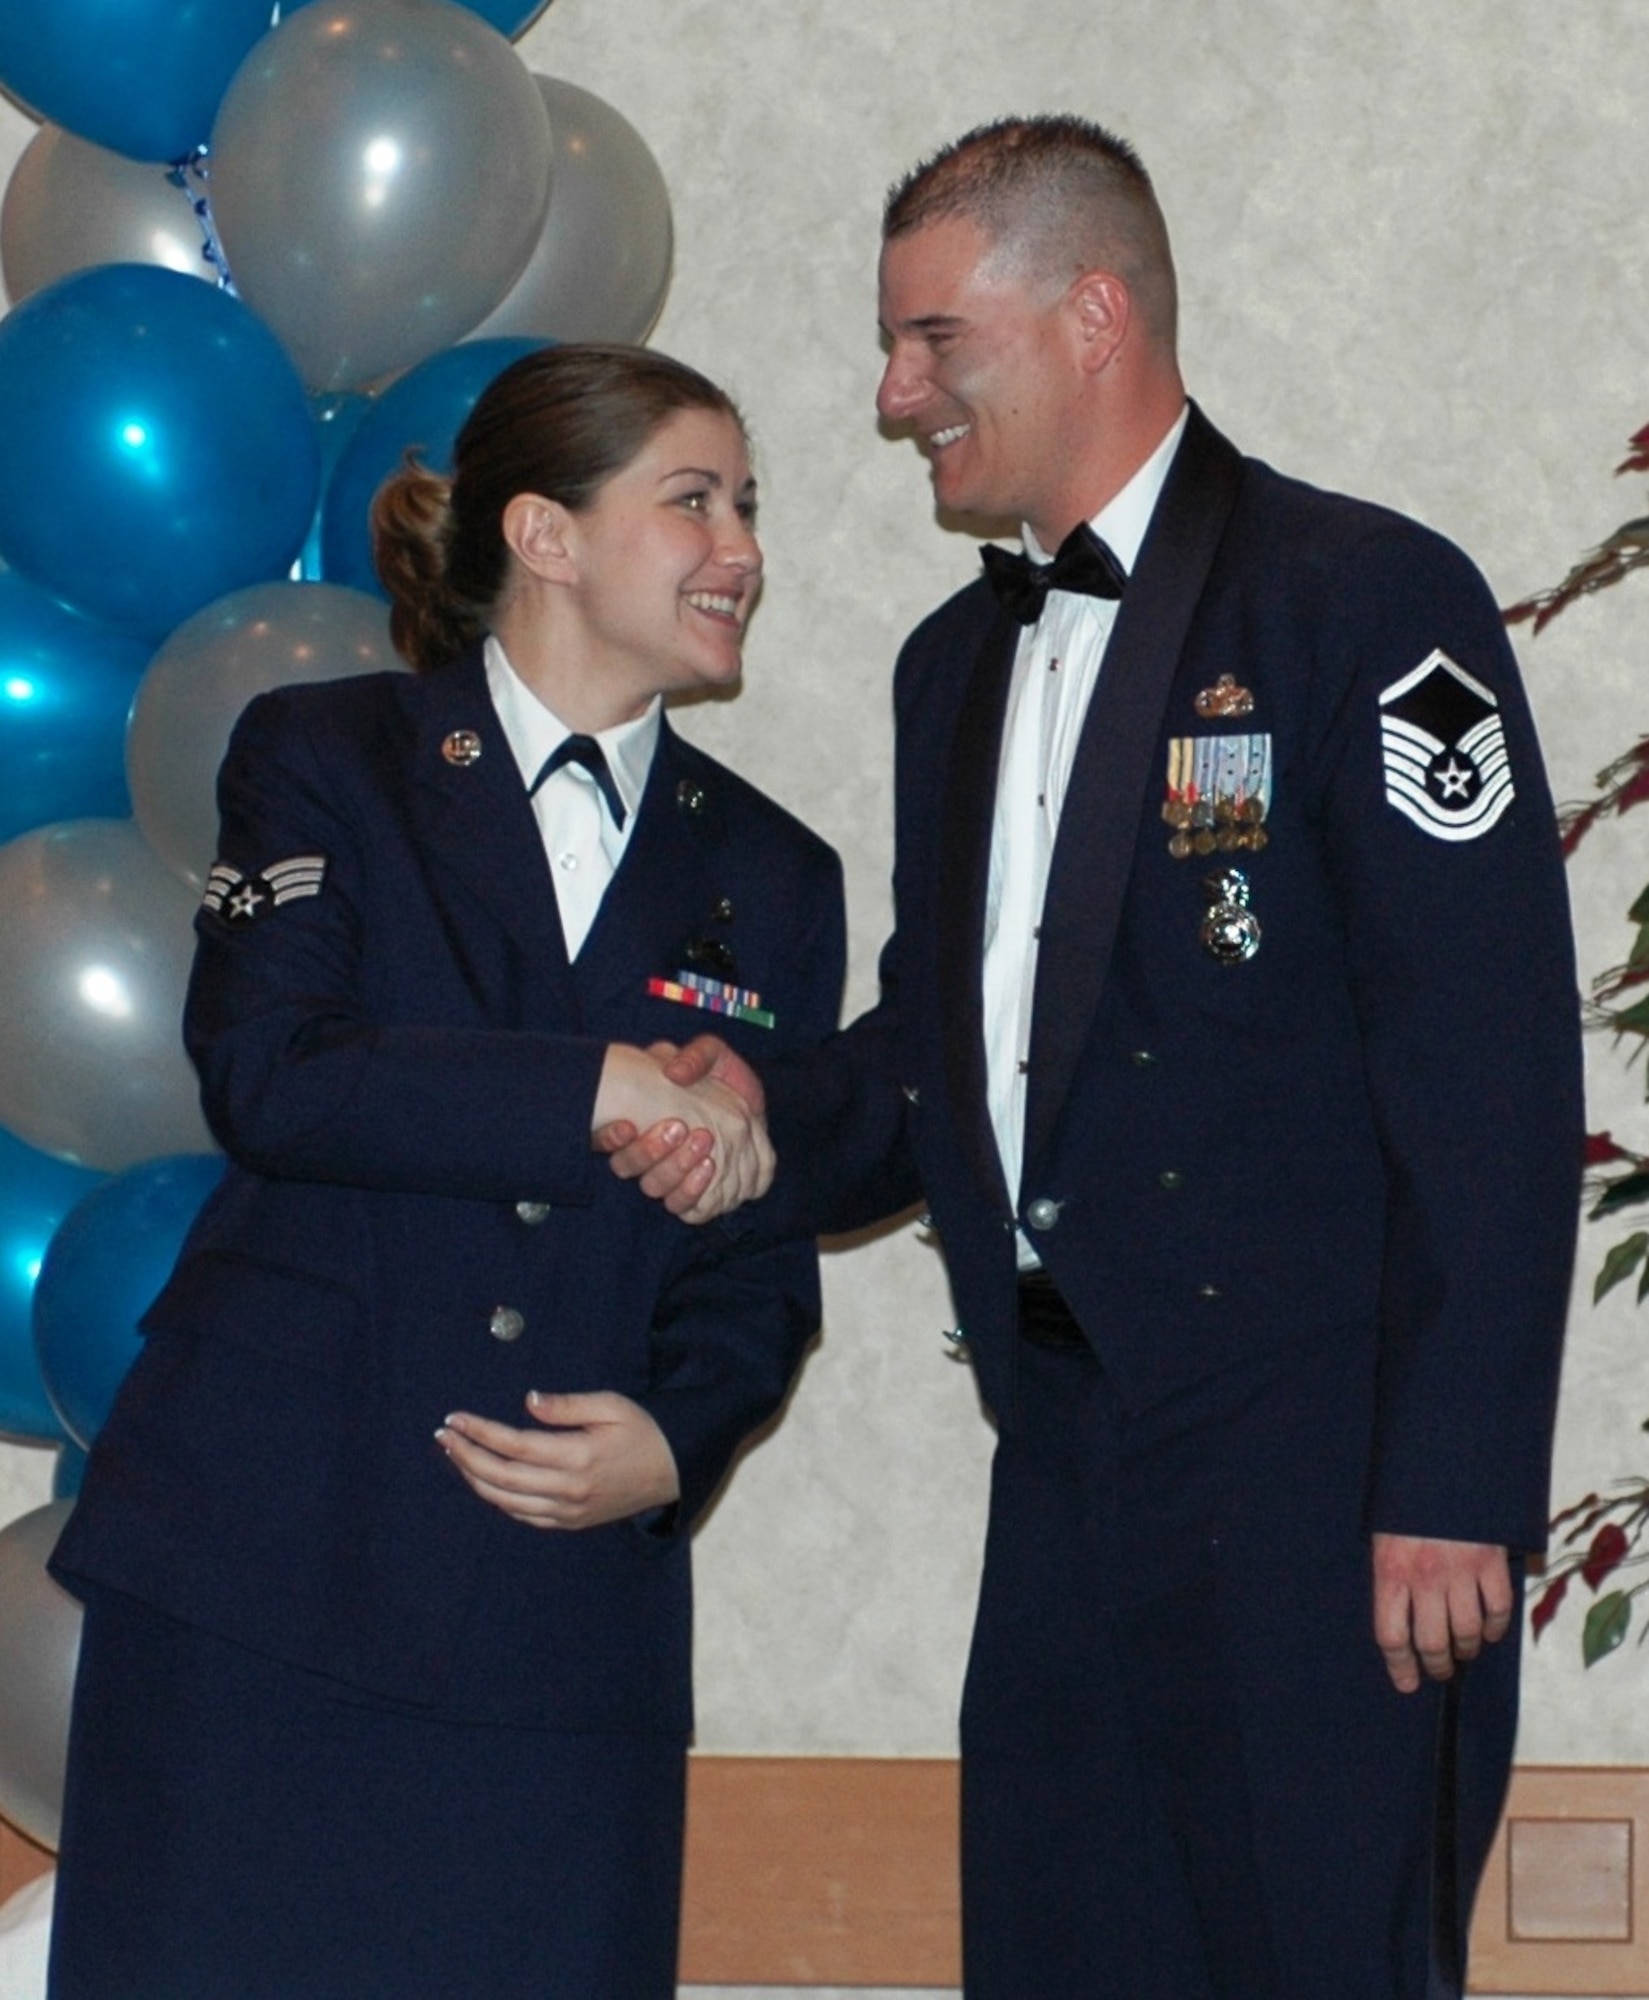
[1102,311]
[537,533]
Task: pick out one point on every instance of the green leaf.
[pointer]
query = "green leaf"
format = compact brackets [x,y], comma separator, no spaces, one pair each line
[1622,1193]
[1639,912]
[1633,1020]
[1620,1263]
[1639,954]
[1606,1626]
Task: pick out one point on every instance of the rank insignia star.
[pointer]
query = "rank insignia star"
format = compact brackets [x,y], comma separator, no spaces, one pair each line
[1443,750]
[241,899]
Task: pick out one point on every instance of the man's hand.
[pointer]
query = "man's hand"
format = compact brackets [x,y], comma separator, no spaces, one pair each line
[688,1123]
[1437,1602]
[602,1459]
[673,1162]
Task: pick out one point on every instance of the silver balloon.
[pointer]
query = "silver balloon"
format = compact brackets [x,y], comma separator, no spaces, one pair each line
[39,1649]
[70,204]
[602,265]
[380,171]
[99,939]
[206,673]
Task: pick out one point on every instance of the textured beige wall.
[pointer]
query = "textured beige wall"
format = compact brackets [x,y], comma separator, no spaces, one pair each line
[1414,263]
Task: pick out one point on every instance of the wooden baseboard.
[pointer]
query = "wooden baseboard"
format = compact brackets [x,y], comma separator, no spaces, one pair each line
[842,1871]
[1564,1906]
[822,1871]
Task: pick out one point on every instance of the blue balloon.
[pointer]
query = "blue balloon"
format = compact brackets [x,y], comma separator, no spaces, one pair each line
[424,410]
[110,1256]
[66,688]
[142,77]
[36,1192]
[509,17]
[156,446]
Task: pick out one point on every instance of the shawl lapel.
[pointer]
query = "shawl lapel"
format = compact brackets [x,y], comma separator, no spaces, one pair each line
[1094,854]
[964,869]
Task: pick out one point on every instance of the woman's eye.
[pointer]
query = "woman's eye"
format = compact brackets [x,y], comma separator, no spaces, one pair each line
[698,502]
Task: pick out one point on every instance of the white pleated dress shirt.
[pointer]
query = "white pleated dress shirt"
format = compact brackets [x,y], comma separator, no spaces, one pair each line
[1054,675]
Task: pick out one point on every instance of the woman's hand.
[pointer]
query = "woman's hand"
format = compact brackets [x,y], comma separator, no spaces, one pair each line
[703,1147]
[600,1458]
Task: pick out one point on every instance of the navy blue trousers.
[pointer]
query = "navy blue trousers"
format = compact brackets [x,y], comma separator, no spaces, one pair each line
[1185,1773]
[236,1829]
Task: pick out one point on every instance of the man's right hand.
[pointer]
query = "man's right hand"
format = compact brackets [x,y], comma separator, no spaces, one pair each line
[676,1161]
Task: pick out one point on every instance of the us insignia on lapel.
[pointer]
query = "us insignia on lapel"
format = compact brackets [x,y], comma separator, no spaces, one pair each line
[1444,750]
[241,899]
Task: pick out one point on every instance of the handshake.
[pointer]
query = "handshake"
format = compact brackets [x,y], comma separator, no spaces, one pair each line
[688,1123]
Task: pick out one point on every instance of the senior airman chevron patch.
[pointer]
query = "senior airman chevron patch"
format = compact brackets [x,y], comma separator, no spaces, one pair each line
[1444,750]
[242,898]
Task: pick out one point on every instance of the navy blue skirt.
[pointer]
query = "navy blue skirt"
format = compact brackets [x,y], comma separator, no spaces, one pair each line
[237,1829]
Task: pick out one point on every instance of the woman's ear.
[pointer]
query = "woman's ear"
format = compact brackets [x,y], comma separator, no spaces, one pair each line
[536,532]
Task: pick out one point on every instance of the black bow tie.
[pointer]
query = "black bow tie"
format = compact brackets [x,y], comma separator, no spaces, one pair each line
[1083,564]
[587,751]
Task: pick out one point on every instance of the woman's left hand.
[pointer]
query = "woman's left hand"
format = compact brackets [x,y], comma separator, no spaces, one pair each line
[600,1458]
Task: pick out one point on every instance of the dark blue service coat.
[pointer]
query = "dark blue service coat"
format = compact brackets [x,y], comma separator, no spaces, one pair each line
[400,1063]
[1325,1191]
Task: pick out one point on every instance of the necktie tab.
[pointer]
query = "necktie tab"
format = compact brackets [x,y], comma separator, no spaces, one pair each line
[586,751]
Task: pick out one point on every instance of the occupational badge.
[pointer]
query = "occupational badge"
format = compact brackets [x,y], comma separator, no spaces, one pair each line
[1225,697]
[1218,794]
[1230,931]
[240,899]
[1444,750]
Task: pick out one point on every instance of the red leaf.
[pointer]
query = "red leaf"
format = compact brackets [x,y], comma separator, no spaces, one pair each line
[1601,1149]
[1546,1606]
[1608,1547]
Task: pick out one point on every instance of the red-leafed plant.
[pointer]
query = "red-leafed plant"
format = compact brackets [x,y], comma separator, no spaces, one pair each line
[1597,1536]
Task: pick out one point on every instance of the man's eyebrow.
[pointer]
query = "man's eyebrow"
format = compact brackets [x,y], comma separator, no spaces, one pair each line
[926,323]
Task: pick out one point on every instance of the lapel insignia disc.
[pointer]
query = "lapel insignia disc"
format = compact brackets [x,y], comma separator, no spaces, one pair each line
[1219,792]
[242,898]
[1444,750]
[461,747]
[1230,932]
[1225,698]
[715,996]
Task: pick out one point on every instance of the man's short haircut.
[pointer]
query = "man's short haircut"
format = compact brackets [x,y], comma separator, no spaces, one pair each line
[1057,196]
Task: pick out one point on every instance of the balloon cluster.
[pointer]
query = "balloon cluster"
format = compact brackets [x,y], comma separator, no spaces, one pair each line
[249,266]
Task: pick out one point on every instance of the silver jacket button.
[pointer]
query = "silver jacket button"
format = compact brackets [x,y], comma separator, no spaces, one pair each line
[956,1335]
[1170,1178]
[910,1093]
[1043,1213]
[532,1212]
[506,1323]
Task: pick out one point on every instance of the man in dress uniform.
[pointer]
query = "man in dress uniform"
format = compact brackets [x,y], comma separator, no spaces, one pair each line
[1229,1032]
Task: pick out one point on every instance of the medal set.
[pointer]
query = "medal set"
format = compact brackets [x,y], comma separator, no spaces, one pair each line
[1219,793]
[1217,800]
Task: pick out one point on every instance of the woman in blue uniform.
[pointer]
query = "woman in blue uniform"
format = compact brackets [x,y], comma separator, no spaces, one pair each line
[384,1687]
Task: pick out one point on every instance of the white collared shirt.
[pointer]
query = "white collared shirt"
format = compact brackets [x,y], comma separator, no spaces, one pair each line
[581,842]
[1054,676]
